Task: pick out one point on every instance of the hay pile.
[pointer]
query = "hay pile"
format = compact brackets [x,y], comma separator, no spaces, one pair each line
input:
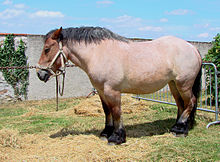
[9,138]
[74,148]
[87,107]
[40,147]
[92,106]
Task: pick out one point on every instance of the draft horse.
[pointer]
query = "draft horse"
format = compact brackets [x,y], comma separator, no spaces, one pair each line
[118,65]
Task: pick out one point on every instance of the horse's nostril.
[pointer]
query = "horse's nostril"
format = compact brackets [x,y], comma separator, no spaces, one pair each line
[38,74]
[46,77]
[43,75]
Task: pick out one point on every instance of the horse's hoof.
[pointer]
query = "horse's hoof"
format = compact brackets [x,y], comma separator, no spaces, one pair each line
[118,137]
[179,135]
[103,138]
[111,143]
[180,130]
[107,132]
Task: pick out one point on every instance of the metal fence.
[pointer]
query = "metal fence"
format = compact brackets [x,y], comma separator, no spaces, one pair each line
[209,93]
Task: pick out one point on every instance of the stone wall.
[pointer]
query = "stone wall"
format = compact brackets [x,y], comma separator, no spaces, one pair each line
[6,91]
[77,82]
[203,47]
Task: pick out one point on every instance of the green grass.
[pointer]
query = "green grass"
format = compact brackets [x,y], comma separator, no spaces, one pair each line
[188,149]
[151,127]
[40,123]
[10,112]
[63,104]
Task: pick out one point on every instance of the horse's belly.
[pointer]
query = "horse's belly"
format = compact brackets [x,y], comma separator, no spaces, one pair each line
[144,87]
[147,79]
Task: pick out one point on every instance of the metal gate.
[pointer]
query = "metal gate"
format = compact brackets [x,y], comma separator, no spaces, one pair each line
[208,94]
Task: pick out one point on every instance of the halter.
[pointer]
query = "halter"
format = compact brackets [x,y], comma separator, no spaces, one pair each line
[63,57]
[61,70]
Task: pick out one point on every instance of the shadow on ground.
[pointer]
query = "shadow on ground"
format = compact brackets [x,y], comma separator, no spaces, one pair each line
[157,127]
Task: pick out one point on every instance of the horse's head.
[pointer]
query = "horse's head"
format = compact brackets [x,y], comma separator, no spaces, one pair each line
[52,57]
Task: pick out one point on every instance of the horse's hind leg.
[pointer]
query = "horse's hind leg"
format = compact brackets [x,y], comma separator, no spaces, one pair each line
[109,127]
[186,117]
[177,97]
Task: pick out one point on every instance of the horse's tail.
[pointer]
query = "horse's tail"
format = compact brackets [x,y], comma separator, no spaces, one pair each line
[197,84]
[196,89]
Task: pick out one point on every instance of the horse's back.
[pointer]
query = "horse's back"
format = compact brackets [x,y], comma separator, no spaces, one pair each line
[151,65]
[181,54]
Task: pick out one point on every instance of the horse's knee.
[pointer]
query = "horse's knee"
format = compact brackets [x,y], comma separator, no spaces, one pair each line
[116,113]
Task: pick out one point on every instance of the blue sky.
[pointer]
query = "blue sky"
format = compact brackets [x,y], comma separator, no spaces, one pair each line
[196,20]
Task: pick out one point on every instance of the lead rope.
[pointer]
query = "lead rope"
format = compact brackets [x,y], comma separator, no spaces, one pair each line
[62,71]
[59,89]
[57,97]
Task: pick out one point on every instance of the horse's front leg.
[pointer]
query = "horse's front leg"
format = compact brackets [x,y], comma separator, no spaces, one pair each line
[109,127]
[113,100]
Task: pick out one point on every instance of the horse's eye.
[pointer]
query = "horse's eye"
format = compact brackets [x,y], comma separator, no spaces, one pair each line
[47,50]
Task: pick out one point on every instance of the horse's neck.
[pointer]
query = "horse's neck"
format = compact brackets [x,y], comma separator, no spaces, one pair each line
[81,54]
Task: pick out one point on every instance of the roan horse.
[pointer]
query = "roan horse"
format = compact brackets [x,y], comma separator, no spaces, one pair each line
[118,65]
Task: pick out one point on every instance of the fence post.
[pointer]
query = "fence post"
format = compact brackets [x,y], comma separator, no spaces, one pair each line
[216,95]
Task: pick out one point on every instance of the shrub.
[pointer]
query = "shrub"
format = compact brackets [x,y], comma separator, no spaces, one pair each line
[214,57]
[17,78]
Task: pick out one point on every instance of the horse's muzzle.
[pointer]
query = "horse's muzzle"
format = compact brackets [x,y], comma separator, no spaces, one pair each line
[43,75]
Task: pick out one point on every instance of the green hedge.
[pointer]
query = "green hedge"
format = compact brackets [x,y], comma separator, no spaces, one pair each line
[214,57]
[17,78]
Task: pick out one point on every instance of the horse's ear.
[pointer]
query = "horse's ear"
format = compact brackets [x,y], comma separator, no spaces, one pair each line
[57,34]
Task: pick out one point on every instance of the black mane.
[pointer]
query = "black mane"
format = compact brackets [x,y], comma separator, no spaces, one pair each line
[88,34]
